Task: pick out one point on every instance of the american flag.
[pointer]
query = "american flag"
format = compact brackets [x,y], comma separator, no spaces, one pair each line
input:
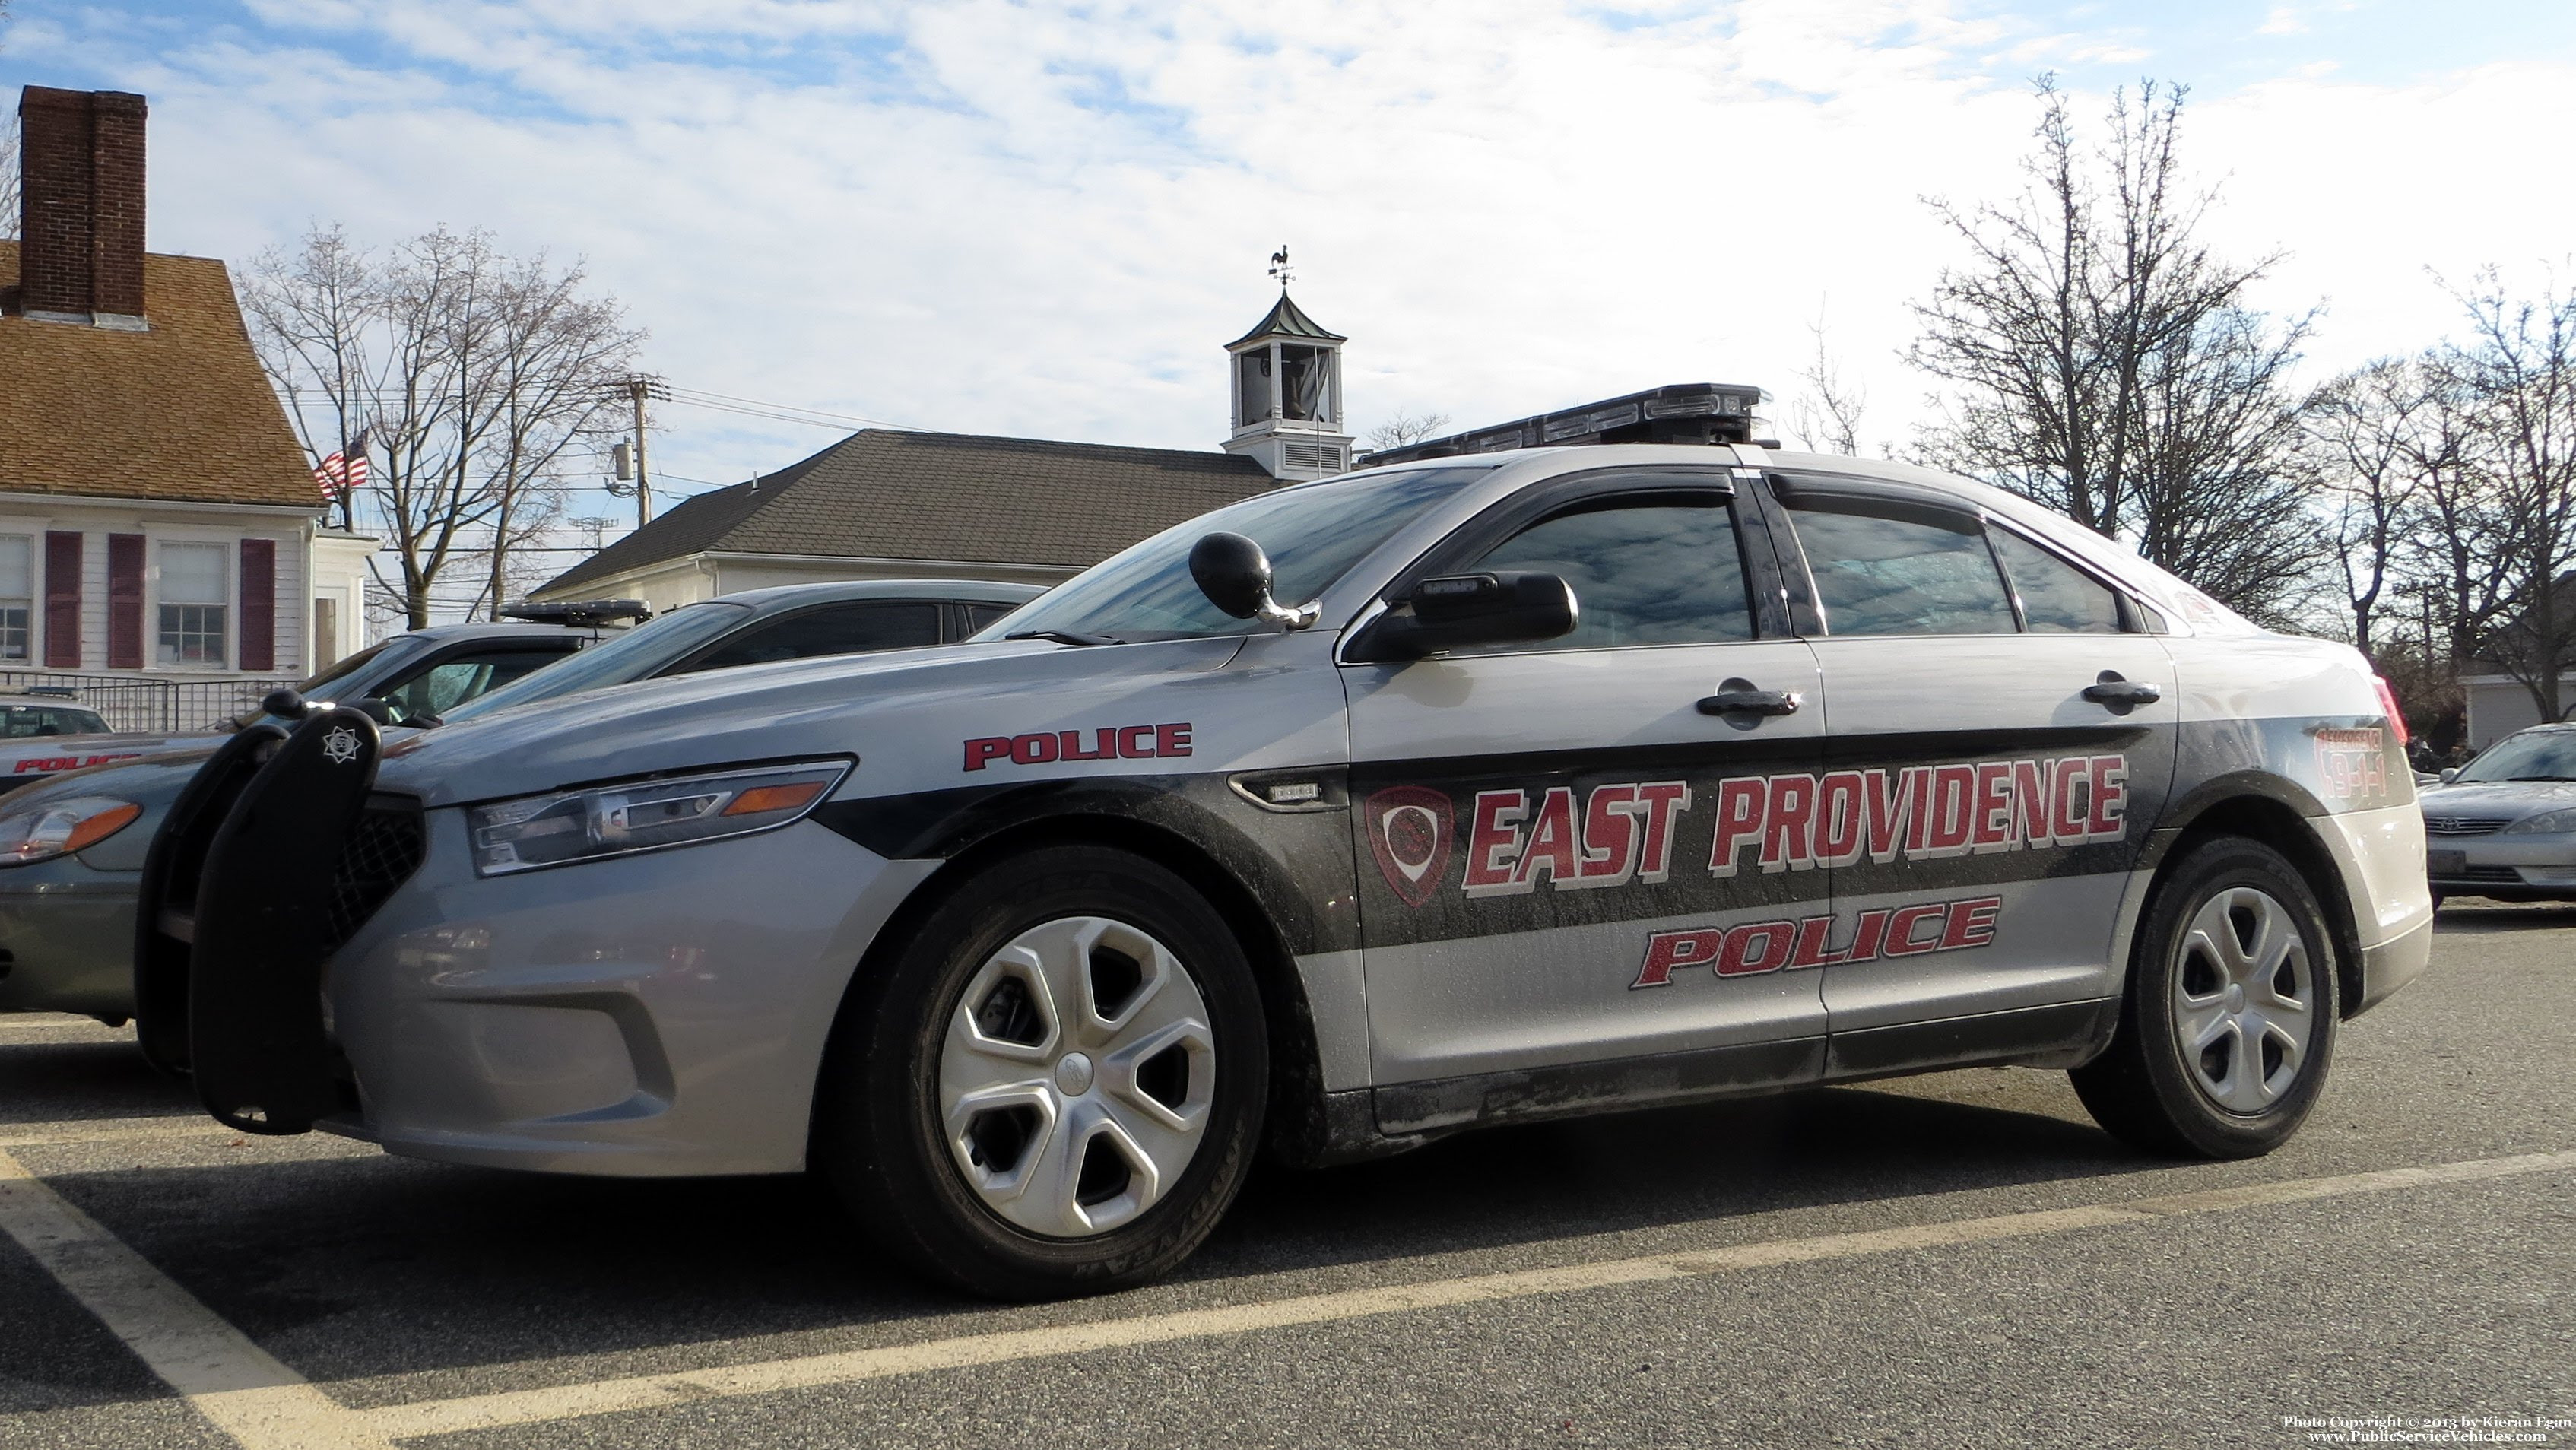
[340,473]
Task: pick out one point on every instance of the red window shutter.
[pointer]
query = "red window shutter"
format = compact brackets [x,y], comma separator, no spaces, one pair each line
[62,601]
[125,601]
[259,604]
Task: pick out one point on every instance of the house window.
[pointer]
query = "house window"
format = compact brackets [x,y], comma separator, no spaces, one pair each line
[17,595]
[193,596]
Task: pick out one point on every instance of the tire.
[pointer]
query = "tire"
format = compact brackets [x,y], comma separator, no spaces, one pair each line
[2263,1053]
[974,1146]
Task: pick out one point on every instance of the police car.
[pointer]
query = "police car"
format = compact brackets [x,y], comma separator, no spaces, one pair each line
[1460,792]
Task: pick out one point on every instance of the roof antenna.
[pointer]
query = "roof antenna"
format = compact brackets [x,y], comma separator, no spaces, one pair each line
[1279,268]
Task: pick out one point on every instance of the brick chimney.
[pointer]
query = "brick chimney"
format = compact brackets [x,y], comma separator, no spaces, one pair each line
[80,255]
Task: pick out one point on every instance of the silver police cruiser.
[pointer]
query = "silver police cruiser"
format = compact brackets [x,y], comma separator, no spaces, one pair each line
[1457,792]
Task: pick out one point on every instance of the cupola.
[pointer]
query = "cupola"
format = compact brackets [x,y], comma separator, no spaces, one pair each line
[1287,387]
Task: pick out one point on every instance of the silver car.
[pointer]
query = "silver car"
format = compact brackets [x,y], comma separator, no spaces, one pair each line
[71,849]
[1362,811]
[2504,825]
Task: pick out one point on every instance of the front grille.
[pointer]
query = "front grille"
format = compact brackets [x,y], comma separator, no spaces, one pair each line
[2464,825]
[383,849]
[2504,874]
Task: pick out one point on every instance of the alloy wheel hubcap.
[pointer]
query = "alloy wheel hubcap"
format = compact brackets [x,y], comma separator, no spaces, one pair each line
[1076,1075]
[2244,999]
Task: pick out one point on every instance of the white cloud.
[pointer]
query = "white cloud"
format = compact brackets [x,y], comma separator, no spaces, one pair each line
[1045,218]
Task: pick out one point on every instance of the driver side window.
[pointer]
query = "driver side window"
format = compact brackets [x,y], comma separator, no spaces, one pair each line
[1644,572]
[453,681]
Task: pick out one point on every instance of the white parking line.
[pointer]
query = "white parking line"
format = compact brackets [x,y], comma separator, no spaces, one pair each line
[644,1392]
[110,1130]
[234,1383]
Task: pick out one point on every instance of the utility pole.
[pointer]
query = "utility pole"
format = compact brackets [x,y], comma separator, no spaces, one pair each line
[640,386]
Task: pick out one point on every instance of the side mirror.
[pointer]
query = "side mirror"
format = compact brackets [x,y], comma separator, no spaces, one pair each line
[2450,773]
[1458,611]
[374,709]
[1234,573]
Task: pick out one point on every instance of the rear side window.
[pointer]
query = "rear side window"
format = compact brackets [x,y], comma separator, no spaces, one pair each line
[2056,597]
[1666,572]
[1896,570]
[834,629]
[981,616]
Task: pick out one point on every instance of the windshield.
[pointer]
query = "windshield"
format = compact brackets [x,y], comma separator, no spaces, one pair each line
[2532,755]
[631,656]
[1313,533]
[327,685]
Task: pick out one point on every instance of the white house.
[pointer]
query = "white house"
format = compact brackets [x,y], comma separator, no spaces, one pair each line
[158,521]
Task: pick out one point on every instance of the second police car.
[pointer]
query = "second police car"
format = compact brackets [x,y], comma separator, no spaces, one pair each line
[1363,811]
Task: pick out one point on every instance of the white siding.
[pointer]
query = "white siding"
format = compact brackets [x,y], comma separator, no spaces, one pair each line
[94,520]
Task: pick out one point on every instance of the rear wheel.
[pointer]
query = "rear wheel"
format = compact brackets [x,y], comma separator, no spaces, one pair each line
[2228,1022]
[1057,1085]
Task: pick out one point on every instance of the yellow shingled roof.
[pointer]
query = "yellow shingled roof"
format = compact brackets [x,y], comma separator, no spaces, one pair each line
[179,413]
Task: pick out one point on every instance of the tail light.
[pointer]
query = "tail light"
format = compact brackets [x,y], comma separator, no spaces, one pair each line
[2388,703]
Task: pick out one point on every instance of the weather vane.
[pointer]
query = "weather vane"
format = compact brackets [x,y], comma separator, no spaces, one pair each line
[1279,267]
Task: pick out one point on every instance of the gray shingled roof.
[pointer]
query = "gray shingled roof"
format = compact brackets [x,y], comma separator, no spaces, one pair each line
[948,497]
[1287,319]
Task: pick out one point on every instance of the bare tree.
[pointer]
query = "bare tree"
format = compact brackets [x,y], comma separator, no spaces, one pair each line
[461,373]
[1826,419]
[2363,437]
[2516,373]
[1404,429]
[2091,344]
[9,202]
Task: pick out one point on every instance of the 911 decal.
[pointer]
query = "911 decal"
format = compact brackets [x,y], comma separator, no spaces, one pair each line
[1625,832]
[1752,948]
[2352,765]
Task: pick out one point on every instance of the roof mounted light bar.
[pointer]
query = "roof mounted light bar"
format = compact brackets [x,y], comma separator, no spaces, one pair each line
[581,614]
[1673,413]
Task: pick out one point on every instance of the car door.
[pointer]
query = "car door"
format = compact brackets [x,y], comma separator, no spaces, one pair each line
[2008,728]
[852,627]
[1535,821]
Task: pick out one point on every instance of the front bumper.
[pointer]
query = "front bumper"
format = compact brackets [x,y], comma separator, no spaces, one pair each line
[648,1015]
[2512,866]
[68,931]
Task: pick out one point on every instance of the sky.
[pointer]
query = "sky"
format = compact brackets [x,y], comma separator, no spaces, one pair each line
[1046,218]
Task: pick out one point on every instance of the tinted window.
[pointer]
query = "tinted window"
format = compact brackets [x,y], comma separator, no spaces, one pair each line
[837,629]
[634,655]
[459,678]
[20,722]
[982,616]
[2056,597]
[1918,573]
[1662,573]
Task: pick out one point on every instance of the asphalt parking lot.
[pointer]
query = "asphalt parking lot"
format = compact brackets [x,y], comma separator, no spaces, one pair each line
[1951,1260]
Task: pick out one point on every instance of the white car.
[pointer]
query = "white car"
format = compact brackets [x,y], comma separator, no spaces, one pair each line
[1458,792]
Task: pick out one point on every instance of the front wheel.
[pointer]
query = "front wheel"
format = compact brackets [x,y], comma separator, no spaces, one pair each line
[1057,1084]
[2228,1022]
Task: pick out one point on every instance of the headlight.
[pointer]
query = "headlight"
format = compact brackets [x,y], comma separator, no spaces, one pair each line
[645,815]
[2545,821]
[40,833]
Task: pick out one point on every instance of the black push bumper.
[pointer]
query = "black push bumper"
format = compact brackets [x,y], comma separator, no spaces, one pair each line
[240,907]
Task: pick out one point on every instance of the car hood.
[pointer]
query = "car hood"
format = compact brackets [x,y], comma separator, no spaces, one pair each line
[840,705]
[85,747]
[152,782]
[2501,800]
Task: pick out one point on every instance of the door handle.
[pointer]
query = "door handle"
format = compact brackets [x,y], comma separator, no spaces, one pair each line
[1751,702]
[2110,689]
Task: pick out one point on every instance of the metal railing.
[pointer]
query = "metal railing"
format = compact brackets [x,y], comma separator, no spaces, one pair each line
[128,702]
